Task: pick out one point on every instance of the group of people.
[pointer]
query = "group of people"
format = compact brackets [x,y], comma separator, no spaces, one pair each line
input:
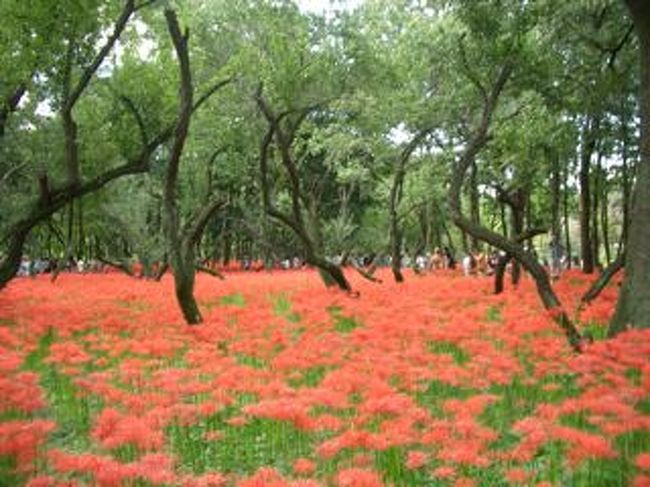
[31,267]
[441,258]
[473,263]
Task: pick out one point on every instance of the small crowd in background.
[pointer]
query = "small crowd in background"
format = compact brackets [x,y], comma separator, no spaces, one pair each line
[31,267]
[472,263]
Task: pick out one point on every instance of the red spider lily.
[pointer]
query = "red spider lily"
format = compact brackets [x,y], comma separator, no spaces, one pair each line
[642,461]
[641,480]
[416,459]
[357,477]
[42,481]
[304,466]
[444,472]
[211,479]
[516,476]
[113,429]
[23,439]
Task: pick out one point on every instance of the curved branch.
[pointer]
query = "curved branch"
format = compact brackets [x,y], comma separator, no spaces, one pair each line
[599,284]
[199,222]
[130,106]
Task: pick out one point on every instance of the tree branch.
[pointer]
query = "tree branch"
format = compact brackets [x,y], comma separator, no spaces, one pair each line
[471,75]
[130,106]
[212,272]
[10,105]
[82,84]
[200,220]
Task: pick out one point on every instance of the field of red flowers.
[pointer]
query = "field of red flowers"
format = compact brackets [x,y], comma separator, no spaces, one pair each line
[432,382]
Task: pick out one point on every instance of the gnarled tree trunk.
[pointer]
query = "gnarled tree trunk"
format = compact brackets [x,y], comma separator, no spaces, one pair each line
[633,306]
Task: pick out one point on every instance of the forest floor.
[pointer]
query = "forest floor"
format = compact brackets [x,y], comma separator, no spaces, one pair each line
[432,382]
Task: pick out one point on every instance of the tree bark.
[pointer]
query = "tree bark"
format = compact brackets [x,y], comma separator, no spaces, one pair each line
[595,213]
[588,144]
[604,217]
[556,178]
[474,204]
[633,306]
[567,226]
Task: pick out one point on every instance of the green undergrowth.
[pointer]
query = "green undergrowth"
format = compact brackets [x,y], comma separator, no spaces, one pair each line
[71,411]
[235,299]
[342,323]
[459,355]
[282,307]
[241,449]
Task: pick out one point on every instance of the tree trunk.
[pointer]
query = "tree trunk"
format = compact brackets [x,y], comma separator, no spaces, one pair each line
[11,261]
[183,267]
[604,218]
[81,236]
[180,250]
[566,220]
[556,177]
[474,206]
[395,231]
[633,306]
[396,192]
[626,183]
[595,213]
[517,214]
[586,150]
[500,272]
[330,273]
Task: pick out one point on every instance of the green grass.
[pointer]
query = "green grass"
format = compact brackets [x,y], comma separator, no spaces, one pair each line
[437,392]
[343,324]
[71,411]
[310,377]
[282,307]
[459,355]
[250,361]
[236,299]
[240,449]
[493,314]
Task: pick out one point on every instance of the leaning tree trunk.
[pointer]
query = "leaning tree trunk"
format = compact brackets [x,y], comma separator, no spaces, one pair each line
[294,220]
[633,306]
[472,148]
[608,273]
[331,274]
